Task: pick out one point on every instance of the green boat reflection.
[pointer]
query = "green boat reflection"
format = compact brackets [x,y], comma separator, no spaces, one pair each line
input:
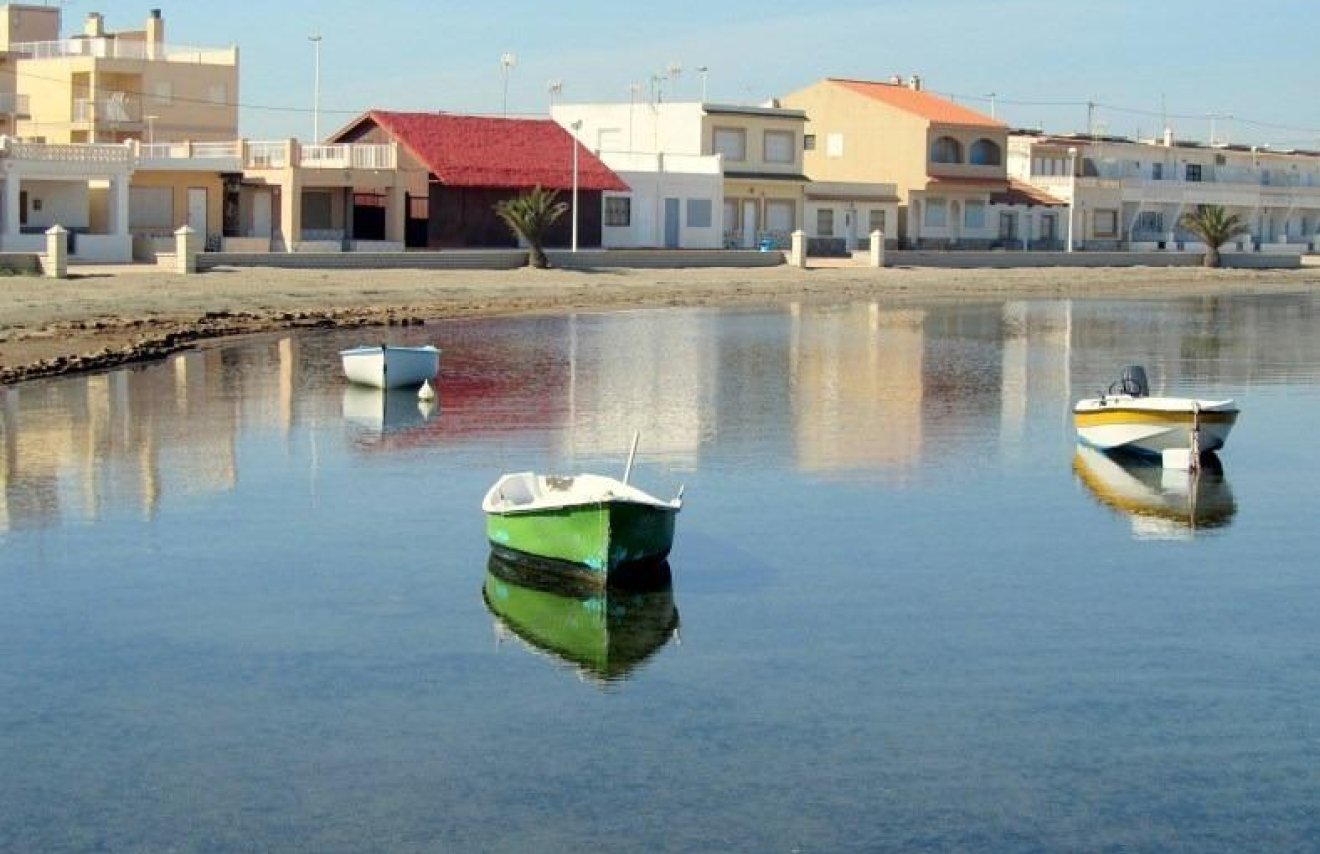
[606,633]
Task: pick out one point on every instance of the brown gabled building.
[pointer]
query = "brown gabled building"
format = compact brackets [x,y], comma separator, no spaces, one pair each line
[458,167]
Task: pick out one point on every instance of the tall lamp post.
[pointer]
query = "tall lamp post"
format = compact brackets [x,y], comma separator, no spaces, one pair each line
[702,70]
[576,126]
[1072,192]
[315,39]
[507,62]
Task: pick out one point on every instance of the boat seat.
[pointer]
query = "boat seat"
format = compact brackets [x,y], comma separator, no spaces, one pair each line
[519,490]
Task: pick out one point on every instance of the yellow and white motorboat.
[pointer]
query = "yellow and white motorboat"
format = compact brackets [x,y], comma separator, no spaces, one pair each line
[1128,418]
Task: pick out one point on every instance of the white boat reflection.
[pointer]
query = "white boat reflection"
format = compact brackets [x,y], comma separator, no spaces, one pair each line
[384,411]
[1163,503]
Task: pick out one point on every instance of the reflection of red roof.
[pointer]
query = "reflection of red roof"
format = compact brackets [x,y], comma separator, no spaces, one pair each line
[982,184]
[1019,193]
[930,107]
[480,151]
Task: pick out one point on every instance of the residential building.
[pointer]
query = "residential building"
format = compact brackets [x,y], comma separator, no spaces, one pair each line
[944,161]
[759,197]
[1132,194]
[104,86]
[454,169]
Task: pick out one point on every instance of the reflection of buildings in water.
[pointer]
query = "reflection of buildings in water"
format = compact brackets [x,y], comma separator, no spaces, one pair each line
[662,385]
[78,445]
[606,634]
[1035,369]
[857,387]
[1163,503]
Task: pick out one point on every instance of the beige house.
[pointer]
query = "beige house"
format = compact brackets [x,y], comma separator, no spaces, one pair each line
[759,149]
[944,161]
[103,86]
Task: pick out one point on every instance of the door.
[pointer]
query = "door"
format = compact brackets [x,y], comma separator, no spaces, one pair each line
[197,210]
[1007,226]
[749,224]
[850,229]
[261,215]
[671,223]
[1049,230]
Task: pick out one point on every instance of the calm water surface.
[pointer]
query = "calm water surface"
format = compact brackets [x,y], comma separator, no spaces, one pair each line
[243,607]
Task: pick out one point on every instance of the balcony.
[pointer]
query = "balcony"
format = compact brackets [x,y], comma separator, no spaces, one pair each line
[13,105]
[113,108]
[115,48]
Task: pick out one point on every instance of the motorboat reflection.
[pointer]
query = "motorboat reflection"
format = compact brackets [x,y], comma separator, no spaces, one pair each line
[606,633]
[382,411]
[1163,503]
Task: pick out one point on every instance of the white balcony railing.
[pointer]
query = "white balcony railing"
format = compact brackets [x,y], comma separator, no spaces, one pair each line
[69,153]
[111,108]
[267,155]
[116,48]
[346,156]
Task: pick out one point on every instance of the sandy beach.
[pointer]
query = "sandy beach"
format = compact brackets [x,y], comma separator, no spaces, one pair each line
[106,316]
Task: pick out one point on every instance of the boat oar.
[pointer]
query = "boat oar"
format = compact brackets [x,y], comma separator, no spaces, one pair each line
[627,470]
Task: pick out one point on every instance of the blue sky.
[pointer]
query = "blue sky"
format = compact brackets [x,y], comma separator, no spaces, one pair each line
[1044,60]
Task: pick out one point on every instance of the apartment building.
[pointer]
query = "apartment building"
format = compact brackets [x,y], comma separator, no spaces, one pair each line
[1131,194]
[103,86]
[943,160]
[704,175]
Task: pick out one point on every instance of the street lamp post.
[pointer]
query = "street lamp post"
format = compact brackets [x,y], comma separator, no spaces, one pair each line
[315,39]
[507,62]
[1072,192]
[576,126]
[702,70]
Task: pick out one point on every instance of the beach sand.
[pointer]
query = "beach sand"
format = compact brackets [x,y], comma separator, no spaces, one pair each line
[105,316]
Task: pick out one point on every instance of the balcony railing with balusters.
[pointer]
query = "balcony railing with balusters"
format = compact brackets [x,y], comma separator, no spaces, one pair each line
[105,48]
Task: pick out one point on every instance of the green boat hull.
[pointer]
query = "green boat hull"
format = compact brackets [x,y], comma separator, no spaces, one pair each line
[606,633]
[596,540]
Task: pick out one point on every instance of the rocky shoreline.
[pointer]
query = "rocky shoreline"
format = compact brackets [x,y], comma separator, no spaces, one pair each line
[102,319]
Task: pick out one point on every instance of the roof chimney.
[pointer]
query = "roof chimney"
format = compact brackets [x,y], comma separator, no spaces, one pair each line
[914,82]
[1168,137]
[94,26]
[155,31]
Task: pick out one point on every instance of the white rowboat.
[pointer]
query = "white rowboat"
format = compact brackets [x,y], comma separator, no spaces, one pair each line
[390,367]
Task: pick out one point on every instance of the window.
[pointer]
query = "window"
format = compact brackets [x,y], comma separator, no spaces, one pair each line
[875,221]
[730,215]
[937,213]
[699,212]
[1193,172]
[1150,221]
[974,215]
[1105,223]
[946,149]
[985,152]
[825,222]
[834,145]
[1157,171]
[162,93]
[731,143]
[779,146]
[618,211]
[217,94]
[316,207]
[808,142]
[778,215]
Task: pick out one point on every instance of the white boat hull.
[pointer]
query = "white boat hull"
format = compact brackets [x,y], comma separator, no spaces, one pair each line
[1152,425]
[390,367]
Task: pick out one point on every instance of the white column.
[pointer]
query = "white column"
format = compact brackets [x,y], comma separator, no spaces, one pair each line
[12,214]
[119,206]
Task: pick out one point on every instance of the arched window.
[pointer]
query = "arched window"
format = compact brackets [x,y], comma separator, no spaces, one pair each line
[985,152]
[945,149]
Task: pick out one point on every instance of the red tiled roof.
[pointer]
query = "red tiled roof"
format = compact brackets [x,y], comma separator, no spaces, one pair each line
[1019,193]
[924,104]
[956,183]
[479,151]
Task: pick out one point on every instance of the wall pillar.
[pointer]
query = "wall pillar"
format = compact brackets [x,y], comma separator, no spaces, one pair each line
[12,213]
[877,248]
[55,263]
[187,245]
[291,210]
[119,206]
[396,213]
[797,255]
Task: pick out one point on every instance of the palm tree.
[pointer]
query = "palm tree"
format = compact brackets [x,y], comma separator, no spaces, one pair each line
[1215,227]
[530,216]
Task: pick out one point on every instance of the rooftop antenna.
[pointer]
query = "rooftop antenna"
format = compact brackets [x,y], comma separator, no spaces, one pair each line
[701,69]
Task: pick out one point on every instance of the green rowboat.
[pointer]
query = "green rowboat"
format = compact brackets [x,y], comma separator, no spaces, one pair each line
[591,526]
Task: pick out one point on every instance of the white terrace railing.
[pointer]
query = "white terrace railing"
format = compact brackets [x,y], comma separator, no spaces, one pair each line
[81,152]
[117,48]
[347,156]
[225,155]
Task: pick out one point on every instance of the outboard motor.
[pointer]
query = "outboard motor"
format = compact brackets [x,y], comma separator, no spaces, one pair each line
[1134,382]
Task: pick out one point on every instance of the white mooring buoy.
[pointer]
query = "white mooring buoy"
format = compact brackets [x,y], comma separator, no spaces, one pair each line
[426,392]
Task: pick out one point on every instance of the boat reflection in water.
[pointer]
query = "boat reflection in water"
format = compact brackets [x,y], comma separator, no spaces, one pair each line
[379,411]
[1163,503]
[606,633]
